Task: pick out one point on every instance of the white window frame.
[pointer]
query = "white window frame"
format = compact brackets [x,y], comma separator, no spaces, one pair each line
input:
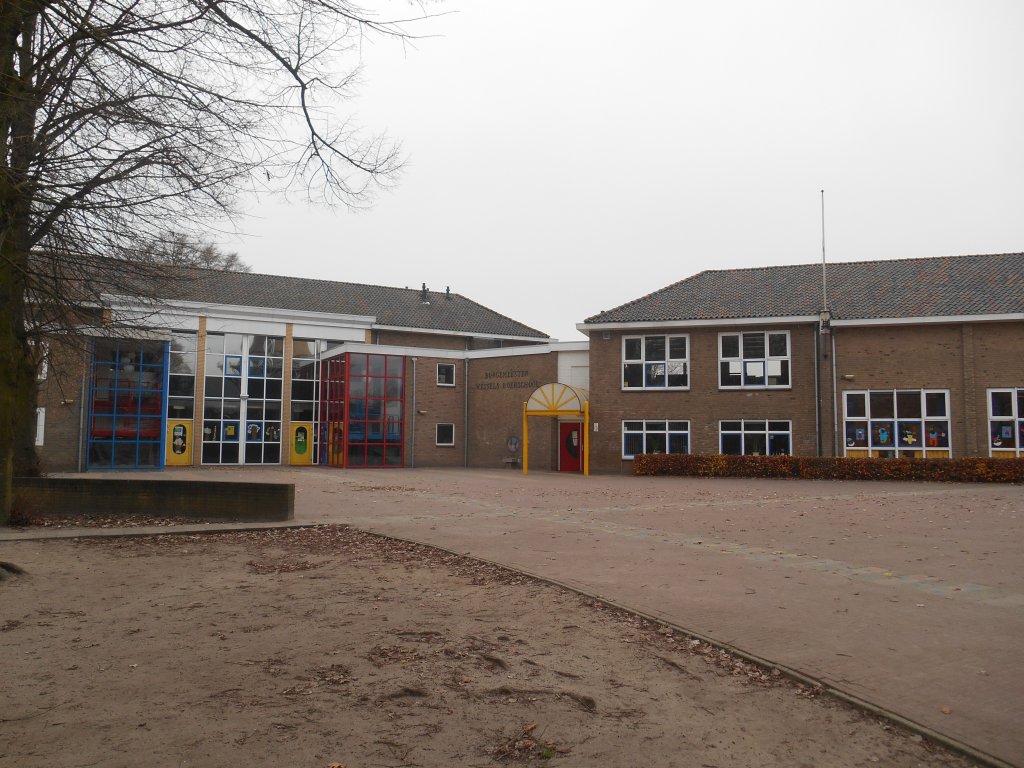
[664,361]
[437,434]
[767,431]
[1017,418]
[896,446]
[40,426]
[443,383]
[767,361]
[651,427]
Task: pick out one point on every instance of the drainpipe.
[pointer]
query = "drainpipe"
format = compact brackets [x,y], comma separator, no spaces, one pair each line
[835,400]
[817,392]
[85,394]
[465,413]
[412,441]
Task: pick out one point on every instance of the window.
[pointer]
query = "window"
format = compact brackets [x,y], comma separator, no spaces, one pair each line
[655,362]
[902,422]
[757,359]
[446,374]
[375,394]
[754,437]
[126,403]
[243,399]
[1006,422]
[655,437]
[445,434]
[305,393]
[40,425]
[181,381]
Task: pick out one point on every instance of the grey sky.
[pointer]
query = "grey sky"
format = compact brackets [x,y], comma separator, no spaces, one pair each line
[566,157]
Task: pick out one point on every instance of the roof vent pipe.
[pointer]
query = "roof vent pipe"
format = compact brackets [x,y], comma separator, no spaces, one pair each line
[448,292]
[424,296]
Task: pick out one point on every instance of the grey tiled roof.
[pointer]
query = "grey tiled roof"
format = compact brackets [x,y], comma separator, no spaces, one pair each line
[393,307]
[902,288]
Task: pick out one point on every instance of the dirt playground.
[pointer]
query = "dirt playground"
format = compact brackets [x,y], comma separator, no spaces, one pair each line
[330,647]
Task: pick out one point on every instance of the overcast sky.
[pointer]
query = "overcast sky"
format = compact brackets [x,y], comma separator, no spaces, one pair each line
[565,157]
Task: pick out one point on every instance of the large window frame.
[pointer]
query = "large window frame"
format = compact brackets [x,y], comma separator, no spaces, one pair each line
[243,399]
[654,436]
[755,360]
[755,437]
[304,406]
[181,377]
[375,396]
[1005,422]
[127,417]
[887,423]
[658,362]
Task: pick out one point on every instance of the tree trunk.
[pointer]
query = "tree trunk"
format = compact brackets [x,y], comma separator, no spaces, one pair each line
[17,373]
[18,107]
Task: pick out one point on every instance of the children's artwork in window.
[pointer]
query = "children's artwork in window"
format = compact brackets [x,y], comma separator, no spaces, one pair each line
[898,422]
[910,434]
[1006,421]
[856,435]
[936,435]
[881,433]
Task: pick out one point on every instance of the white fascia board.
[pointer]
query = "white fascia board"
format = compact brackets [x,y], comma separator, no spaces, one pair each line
[242,312]
[385,349]
[535,349]
[113,332]
[946,319]
[729,321]
[471,334]
[458,354]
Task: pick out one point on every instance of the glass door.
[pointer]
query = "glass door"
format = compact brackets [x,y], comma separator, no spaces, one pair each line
[242,403]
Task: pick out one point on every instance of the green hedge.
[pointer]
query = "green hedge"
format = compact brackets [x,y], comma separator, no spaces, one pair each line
[970,470]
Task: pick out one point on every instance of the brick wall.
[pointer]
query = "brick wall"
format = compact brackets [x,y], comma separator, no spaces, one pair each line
[430,404]
[498,387]
[704,405]
[965,358]
[61,393]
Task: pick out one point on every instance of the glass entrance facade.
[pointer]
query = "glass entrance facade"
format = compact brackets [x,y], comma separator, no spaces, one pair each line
[243,399]
[126,403]
[361,410]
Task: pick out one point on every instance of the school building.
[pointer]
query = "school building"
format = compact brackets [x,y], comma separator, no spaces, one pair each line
[912,357]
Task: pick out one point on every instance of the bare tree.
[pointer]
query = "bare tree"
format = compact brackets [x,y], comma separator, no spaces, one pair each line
[180,249]
[118,116]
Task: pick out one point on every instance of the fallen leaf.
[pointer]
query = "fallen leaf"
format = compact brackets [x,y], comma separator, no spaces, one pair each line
[947,711]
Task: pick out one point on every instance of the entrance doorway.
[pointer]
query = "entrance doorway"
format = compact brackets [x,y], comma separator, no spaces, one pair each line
[570,447]
[242,404]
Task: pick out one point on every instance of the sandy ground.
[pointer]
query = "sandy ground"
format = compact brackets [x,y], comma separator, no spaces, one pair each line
[328,646]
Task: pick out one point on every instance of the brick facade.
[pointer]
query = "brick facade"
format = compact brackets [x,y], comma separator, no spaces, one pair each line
[964,354]
[428,404]
[498,387]
[63,396]
[967,359]
[704,404]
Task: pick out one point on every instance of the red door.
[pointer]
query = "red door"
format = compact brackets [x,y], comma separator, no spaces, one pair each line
[570,447]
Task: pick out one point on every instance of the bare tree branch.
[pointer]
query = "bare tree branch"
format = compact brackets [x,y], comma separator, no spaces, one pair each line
[131,127]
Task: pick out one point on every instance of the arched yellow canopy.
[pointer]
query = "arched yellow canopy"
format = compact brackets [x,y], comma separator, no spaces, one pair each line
[558,400]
